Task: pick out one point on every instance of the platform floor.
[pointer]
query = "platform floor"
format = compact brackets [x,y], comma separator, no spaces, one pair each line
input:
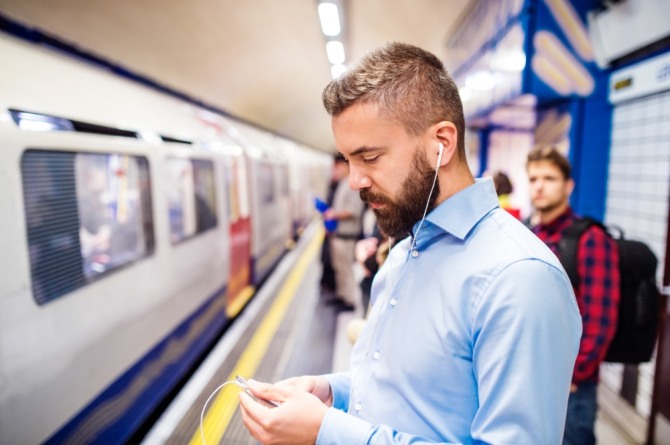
[287,329]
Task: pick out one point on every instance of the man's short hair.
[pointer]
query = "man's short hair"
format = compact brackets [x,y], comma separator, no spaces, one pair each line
[551,154]
[408,84]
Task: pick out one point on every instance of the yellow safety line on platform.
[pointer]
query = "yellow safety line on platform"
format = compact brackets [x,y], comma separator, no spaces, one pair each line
[225,403]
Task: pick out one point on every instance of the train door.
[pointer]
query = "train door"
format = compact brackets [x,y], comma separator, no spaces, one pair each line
[222,135]
[293,182]
[239,288]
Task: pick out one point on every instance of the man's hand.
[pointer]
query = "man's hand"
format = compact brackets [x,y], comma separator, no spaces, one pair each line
[315,385]
[364,248]
[297,419]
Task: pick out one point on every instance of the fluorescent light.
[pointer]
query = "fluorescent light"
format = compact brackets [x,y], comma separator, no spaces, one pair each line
[335,51]
[517,61]
[26,124]
[465,93]
[40,122]
[330,19]
[481,81]
[513,61]
[337,70]
[150,137]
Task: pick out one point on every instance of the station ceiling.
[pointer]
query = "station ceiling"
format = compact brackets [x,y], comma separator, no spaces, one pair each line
[261,60]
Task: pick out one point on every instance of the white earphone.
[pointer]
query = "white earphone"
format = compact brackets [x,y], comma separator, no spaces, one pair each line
[440,150]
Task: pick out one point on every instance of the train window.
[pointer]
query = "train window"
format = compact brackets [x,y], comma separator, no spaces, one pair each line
[242,188]
[86,214]
[191,197]
[111,217]
[231,191]
[266,186]
[236,189]
[283,175]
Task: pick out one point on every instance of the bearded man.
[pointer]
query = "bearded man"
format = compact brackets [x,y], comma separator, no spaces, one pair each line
[474,327]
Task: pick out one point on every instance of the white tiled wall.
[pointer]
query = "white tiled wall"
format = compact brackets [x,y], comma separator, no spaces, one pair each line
[637,197]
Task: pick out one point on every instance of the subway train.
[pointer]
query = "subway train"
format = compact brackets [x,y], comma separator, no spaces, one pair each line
[135,225]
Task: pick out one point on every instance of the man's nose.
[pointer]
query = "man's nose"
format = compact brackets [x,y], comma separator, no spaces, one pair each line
[357,179]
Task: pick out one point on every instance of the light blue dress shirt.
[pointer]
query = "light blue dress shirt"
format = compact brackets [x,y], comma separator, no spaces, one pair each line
[472,337]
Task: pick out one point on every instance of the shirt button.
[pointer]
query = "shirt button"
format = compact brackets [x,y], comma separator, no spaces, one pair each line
[376,355]
[415,253]
[393,301]
[358,407]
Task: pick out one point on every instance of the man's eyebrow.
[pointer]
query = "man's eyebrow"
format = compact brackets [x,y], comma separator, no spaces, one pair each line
[362,150]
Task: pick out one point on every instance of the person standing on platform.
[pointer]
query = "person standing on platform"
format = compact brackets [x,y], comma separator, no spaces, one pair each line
[328,274]
[598,290]
[347,210]
[504,189]
[474,327]
[367,256]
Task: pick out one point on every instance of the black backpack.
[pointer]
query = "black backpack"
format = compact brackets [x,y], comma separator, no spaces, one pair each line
[640,304]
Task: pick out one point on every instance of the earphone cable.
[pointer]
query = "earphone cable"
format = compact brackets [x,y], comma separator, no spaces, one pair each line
[396,282]
[204,407]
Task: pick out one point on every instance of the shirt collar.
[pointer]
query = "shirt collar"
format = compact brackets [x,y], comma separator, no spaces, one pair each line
[459,213]
[558,223]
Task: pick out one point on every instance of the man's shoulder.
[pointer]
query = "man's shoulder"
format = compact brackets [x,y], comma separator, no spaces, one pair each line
[514,254]
[506,240]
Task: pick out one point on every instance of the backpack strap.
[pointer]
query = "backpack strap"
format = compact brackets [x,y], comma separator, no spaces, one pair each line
[569,244]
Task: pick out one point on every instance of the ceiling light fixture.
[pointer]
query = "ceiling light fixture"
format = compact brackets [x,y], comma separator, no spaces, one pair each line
[481,81]
[330,19]
[333,26]
[335,51]
[511,61]
[337,70]
[465,93]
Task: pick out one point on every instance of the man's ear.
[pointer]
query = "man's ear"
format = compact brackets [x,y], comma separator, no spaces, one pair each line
[447,135]
[569,186]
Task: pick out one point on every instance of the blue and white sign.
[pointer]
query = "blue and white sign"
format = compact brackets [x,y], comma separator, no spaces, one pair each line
[642,79]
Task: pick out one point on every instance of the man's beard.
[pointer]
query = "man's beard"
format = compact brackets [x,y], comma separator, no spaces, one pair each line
[550,206]
[397,217]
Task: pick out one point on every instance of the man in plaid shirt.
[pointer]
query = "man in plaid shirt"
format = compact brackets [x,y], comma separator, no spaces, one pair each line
[598,290]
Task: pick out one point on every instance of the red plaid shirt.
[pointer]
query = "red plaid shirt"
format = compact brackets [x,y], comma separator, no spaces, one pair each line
[597,293]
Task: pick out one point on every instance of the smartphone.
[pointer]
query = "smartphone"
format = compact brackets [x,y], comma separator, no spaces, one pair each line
[245,386]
